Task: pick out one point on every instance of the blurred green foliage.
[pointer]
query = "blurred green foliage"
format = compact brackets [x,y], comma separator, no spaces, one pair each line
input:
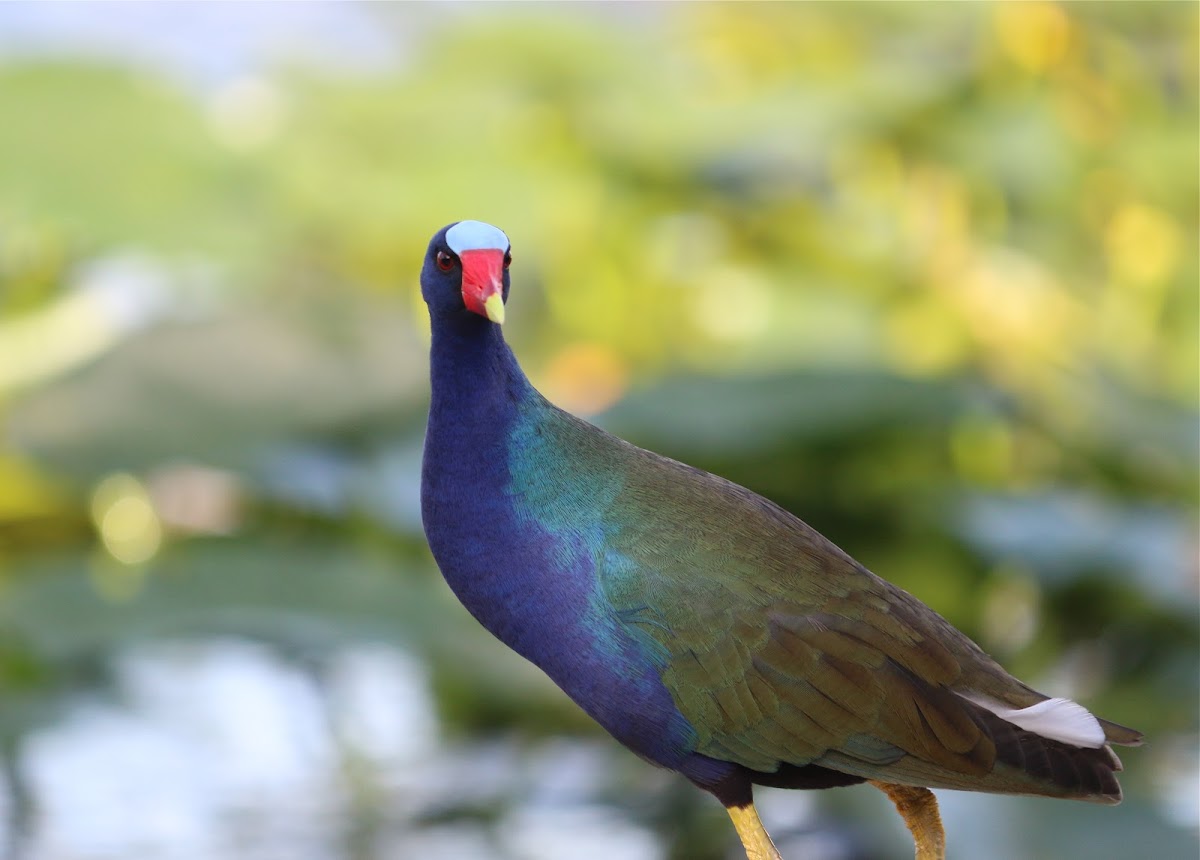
[924,274]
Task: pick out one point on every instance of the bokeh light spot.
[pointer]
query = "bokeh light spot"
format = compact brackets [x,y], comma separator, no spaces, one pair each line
[732,304]
[1034,35]
[585,378]
[1011,611]
[125,519]
[1143,244]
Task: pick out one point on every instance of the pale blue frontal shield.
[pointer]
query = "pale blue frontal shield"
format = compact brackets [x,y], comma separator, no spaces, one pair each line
[475,236]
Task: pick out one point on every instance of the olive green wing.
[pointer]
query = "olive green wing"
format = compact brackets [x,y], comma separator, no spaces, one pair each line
[779,648]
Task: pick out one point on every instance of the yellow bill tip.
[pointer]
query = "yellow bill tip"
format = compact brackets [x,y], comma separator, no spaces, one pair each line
[494,307]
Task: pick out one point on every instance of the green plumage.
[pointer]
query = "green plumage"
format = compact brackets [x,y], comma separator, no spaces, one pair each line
[775,645]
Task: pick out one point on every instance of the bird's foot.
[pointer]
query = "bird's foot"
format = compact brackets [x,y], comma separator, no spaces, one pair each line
[919,809]
[754,836]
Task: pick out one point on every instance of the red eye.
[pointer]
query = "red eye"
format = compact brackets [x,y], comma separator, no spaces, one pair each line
[444,261]
[507,259]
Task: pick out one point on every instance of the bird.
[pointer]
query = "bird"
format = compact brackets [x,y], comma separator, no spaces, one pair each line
[704,627]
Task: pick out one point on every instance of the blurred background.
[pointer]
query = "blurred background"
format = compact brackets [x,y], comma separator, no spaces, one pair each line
[925,274]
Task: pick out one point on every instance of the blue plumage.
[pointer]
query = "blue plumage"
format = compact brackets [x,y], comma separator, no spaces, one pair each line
[704,627]
[512,554]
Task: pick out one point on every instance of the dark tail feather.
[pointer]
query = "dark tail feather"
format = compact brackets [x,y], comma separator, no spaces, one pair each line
[1115,733]
[1065,770]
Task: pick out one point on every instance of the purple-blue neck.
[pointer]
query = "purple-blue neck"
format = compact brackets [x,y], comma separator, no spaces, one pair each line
[472,372]
[478,396]
[532,583]
[476,387]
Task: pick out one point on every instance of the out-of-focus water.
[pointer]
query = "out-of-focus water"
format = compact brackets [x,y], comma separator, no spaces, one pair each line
[221,748]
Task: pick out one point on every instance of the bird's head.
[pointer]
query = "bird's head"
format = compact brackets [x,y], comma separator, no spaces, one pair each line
[466,268]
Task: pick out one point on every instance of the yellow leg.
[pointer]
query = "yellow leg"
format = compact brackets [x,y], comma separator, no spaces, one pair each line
[754,836]
[919,809]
